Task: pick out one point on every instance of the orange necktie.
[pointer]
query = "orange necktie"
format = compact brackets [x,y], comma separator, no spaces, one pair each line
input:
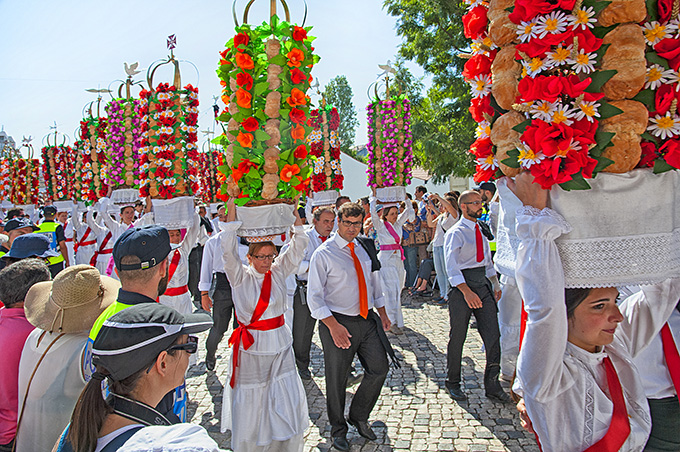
[363,297]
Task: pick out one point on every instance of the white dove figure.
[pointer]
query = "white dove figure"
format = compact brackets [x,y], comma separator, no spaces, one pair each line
[132,69]
[26,141]
[387,68]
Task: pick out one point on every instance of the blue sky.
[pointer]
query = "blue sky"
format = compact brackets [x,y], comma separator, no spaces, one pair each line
[51,51]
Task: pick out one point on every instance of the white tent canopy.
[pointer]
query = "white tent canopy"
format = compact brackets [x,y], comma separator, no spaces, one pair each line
[356,180]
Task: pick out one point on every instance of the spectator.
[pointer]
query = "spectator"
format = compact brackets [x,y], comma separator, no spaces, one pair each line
[27,246]
[15,281]
[15,228]
[421,197]
[15,213]
[340,201]
[411,247]
[441,223]
[51,374]
[55,232]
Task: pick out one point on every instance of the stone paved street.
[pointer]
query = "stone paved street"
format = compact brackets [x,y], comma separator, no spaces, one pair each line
[413,412]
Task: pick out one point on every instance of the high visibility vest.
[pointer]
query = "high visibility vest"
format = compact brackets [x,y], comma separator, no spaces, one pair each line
[487,219]
[49,230]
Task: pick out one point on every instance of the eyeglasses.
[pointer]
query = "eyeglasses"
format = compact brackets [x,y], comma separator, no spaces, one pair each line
[351,224]
[191,345]
[474,203]
[265,257]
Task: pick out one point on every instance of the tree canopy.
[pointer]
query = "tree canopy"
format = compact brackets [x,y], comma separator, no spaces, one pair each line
[442,126]
[338,93]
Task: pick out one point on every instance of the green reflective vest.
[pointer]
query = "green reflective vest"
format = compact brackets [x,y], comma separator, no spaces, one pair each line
[49,230]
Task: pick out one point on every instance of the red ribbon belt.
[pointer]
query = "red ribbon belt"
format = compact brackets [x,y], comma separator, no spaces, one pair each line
[175,291]
[242,335]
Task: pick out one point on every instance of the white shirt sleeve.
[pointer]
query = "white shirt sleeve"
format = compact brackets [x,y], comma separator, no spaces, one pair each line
[452,244]
[318,274]
[191,236]
[110,223]
[407,215]
[95,225]
[207,266]
[289,260]
[232,262]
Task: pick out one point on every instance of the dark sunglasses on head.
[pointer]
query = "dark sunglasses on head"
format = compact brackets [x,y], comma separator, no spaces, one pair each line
[191,345]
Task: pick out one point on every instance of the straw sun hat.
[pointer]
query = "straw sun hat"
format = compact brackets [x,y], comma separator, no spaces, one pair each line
[72,301]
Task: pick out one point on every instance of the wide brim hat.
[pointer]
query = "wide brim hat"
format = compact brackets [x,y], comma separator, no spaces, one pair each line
[72,302]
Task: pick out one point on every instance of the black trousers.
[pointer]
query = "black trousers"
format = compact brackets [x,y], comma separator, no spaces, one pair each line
[55,269]
[303,328]
[665,425]
[195,258]
[487,325]
[223,305]
[365,343]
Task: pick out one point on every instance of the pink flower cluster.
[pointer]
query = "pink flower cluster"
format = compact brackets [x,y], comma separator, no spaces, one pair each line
[390,142]
[124,134]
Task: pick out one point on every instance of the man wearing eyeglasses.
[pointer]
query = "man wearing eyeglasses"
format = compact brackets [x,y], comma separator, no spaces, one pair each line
[474,290]
[342,292]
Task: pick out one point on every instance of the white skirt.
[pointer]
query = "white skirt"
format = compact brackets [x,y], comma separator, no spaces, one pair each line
[392,277]
[267,409]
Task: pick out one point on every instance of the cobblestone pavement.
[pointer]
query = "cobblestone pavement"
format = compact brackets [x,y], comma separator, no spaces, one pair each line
[413,412]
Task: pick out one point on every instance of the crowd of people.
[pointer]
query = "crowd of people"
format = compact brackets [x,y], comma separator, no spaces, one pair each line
[101,309]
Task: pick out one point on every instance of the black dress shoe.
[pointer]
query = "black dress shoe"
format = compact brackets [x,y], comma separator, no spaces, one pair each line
[456,393]
[340,443]
[500,396]
[364,429]
[305,374]
[210,364]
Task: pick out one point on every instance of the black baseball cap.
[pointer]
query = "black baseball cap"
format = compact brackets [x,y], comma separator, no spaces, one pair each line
[49,210]
[151,244]
[133,338]
[31,245]
[19,223]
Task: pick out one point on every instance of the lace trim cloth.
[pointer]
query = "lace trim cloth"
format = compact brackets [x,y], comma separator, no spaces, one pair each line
[175,213]
[624,231]
[259,221]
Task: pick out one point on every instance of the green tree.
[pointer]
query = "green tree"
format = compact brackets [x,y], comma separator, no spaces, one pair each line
[338,93]
[442,126]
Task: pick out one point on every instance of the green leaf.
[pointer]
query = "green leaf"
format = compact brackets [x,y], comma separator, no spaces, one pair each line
[649,137]
[241,201]
[661,166]
[577,182]
[261,135]
[654,58]
[603,140]
[224,117]
[285,154]
[261,88]
[512,160]
[652,10]
[252,175]
[600,53]
[601,32]
[521,127]
[598,79]
[602,163]
[224,169]
[279,59]
[647,97]
[596,5]
[607,110]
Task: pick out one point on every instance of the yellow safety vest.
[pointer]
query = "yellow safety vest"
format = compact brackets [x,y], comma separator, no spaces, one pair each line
[49,230]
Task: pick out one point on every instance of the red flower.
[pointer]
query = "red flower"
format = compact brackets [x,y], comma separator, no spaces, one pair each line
[302,184]
[334,121]
[478,64]
[297,116]
[481,148]
[475,22]
[244,80]
[587,40]
[479,106]
[665,7]
[244,61]
[299,33]
[300,152]
[649,155]
[319,182]
[297,76]
[528,9]
[670,50]
[671,152]
[242,169]
[288,171]
[484,175]
[251,124]
[316,148]
[241,39]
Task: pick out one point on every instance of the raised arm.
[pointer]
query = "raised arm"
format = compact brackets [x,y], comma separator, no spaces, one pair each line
[95,225]
[232,261]
[378,224]
[289,260]
[191,236]
[109,222]
[408,214]
[75,218]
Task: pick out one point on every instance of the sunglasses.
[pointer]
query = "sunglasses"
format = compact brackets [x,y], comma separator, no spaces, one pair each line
[191,345]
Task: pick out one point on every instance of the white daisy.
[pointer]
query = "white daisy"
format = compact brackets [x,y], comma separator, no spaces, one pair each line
[527,157]
[562,115]
[558,57]
[482,46]
[584,62]
[665,126]
[657,76]
[543,110]
[655,32]
[483,130]
[526,30]
[534,66]
[481,85]
[488,163]
[586,110]
[583,18]
[553,23]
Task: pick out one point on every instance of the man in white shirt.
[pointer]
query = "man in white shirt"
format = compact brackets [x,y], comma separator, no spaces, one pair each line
[196,255]
[323,220]
[474,289]
[342,291]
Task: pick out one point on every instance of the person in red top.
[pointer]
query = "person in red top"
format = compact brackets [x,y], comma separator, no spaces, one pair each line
[15,280]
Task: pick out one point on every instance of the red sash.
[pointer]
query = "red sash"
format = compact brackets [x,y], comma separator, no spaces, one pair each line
[101,249]
[82,241]
[670,353]
[397,244]
[619,427]
[242,335]
[174,291]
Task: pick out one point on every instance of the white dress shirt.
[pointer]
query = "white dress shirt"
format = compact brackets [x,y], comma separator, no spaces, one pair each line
[460,252]
[212,258]
[444,222]
[656,379]
[333,283]
[117,228]
[564,386]
[384,236]
[314,243]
